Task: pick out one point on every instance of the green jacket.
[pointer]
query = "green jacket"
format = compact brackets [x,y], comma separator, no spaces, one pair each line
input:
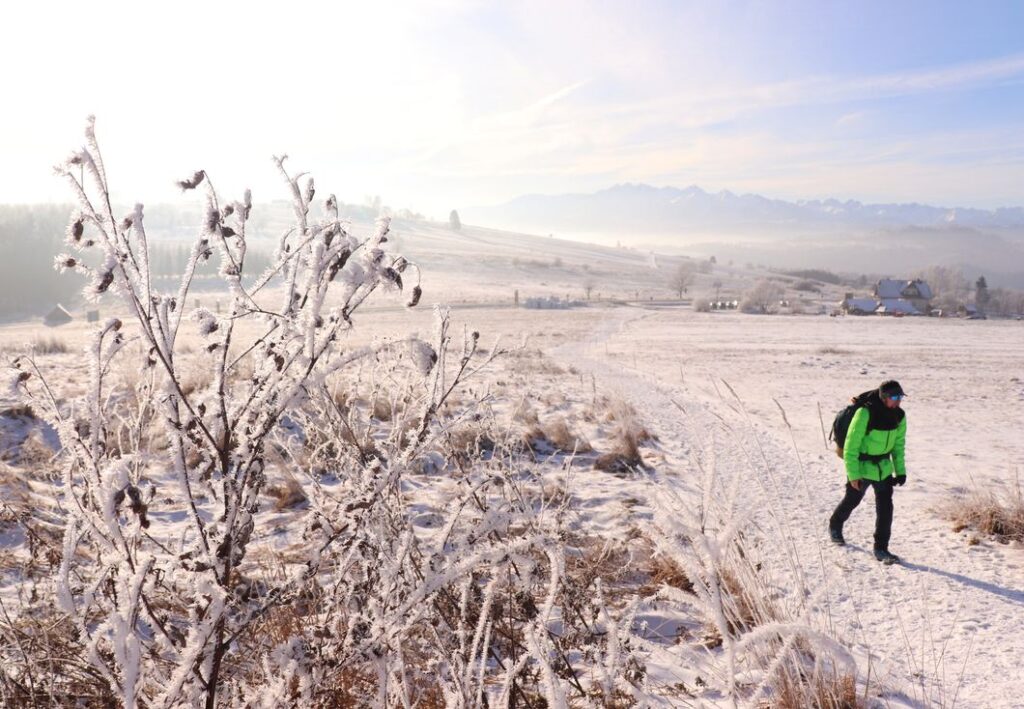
[874,442]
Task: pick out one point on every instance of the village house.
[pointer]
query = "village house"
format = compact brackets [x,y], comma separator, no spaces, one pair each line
[891,297]
[903,297]
[57,317]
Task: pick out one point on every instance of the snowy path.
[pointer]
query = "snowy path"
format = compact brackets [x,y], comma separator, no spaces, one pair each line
[942,629]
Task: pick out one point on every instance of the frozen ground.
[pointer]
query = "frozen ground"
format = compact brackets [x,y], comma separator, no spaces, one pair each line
[755,393]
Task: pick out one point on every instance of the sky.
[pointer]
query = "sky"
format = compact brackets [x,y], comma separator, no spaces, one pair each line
[447,104]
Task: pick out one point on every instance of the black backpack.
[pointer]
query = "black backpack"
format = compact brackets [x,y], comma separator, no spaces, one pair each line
[841,423]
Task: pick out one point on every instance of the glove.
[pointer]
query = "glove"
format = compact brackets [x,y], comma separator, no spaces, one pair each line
[901,479]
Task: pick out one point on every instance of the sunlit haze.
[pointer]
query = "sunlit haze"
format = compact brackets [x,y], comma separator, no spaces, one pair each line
[441,105]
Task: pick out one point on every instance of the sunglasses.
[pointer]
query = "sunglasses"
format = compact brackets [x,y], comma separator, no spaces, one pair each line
[895,397]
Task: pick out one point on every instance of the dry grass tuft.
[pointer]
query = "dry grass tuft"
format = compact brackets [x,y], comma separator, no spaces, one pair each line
[746,603]
[287,495]
[666,572]
[470,439]
[556,435]
[18,411]
[627,438]
[989,514]
[533,361]
[382,409]
[525,413]
[563,438]
[620,459]
[50,345]
[35,454]
[823,691]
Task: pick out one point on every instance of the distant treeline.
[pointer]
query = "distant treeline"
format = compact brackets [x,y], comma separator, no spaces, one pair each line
[32,235]
[817,274]
[170,260]
[30,238]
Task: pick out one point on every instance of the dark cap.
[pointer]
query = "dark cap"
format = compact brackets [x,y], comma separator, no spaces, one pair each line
[890,388]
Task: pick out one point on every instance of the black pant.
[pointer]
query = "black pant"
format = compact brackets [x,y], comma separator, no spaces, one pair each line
[883,508]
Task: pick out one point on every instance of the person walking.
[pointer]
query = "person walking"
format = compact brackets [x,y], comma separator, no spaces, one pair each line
[873,455]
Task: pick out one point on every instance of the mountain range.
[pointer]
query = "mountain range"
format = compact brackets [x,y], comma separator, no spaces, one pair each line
[632,207]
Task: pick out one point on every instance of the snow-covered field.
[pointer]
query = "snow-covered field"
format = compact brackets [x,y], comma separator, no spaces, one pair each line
[947,617]
[738,404]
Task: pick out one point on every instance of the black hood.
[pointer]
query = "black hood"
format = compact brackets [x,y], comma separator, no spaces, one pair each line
[882,418]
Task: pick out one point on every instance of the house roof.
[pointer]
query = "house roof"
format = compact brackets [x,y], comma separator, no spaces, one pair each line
[895,288]
[58,315]
[926,290]
[868,305]
[896,305]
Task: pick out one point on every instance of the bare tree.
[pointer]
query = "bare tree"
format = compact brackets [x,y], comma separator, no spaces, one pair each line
[589,284]
[763,298]
[949,287]
[682,278]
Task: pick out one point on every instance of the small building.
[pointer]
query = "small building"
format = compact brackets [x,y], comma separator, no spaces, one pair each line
[970,311]
[915,292]
[57,317]
[858,306]
[897,307]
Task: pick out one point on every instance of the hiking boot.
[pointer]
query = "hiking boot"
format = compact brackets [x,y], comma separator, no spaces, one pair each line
[836,535]
[885,557]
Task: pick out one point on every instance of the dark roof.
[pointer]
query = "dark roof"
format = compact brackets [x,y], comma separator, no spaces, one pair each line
[897,305]
[894,288]
[867,305]
[57,316]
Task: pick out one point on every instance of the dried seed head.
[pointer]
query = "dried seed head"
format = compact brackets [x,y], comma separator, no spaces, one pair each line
[212,219]
[338,264]
[76,228]
[415,299]
[192,182]
[391,275]
[229,210]
[63,262]
[104,282]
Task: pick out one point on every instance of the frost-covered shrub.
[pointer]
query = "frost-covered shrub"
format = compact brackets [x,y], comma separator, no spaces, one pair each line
[157,608]
[171,586]
[763,298]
